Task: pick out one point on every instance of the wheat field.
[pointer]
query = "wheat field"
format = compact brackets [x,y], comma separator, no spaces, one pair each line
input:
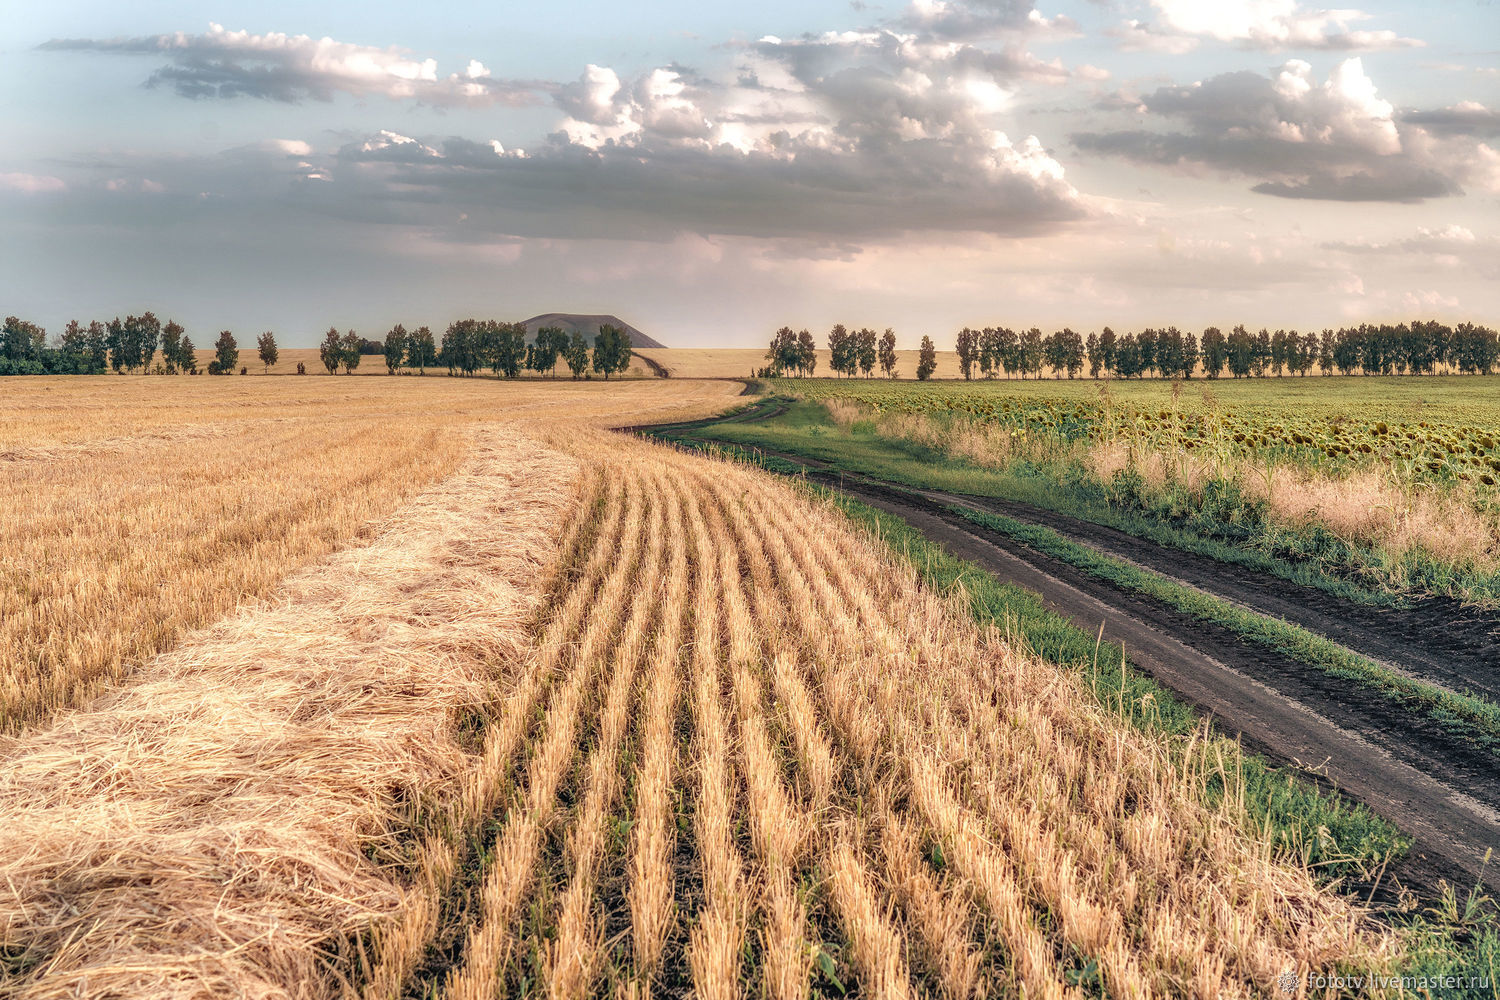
[585,716]
[138,508]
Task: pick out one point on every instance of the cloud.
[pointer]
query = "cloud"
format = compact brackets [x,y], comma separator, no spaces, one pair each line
[275,66]
[973,20]
[825,138]
[1463,118]
[1338,140]
[1450,246]
[1265,24]
[1138,36]
[31,183]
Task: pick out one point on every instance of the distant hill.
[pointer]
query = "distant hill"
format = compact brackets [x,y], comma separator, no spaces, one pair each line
[588,326]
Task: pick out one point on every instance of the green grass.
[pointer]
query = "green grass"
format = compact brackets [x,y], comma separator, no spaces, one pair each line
[805,430]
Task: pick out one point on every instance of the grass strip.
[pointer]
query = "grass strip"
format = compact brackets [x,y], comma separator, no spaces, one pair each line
[1463,716]
[806,431]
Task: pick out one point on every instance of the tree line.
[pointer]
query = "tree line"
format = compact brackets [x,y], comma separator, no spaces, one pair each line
[118,345]
[1417,348]
[143,343]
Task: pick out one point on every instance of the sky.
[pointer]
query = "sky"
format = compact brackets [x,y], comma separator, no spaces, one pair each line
[710,172]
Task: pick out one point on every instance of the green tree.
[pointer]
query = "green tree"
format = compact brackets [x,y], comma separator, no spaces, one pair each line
[1054,353]
[1008,352]
[888,353]
[98,348]
[265,346]
[926,359]
[72,354]
[226,355]
[114,342]
[783,353]
[349,351]
[1214,350]
[462,346]
[807,353]
[1240,355]
[968,348]
[187,356]
[843,350]
[512,348]
[868,353]
[1070,351]
[1128,357]
[331,350]
[171,346]
[1146,344]
[1029,353]
[1326,342]
[577,354]
[611,350]
[421,350]
[1108,346]
[1095,356]
[21,341]
[1260,352]
[147,330]
[551,342]
[395,348]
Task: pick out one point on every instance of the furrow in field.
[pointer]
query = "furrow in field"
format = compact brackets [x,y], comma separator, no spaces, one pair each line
[876,943]
[716,943]
[846,671]
[1199,903]
[1216,900]
[651,889]
[398,947]
[780,827]
[490,939]
[572,958]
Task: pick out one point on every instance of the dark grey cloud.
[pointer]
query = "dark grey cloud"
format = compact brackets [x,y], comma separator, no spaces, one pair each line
[227,64]
[1298,138]
[800,191]
[1466,118]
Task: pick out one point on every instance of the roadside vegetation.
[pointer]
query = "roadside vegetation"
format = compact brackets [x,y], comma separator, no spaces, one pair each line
[1372,493]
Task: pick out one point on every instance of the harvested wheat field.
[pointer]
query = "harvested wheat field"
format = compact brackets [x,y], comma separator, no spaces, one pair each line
[139,508]
[587,716]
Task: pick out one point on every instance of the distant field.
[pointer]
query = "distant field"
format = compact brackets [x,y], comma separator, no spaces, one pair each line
[741,362]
